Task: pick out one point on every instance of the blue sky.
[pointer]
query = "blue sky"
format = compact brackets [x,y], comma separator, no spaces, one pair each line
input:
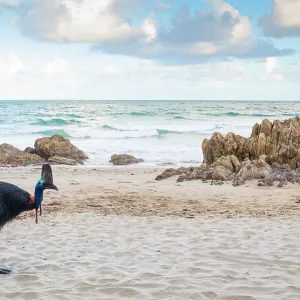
[134,49]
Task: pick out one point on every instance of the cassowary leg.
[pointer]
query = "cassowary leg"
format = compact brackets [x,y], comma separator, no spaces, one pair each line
[36,216]
[4,272]
[41,210]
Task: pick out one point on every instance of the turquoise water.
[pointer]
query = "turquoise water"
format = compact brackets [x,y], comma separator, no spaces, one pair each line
[161,132]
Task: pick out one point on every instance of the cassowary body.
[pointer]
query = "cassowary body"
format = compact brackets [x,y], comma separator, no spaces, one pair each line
[14,200]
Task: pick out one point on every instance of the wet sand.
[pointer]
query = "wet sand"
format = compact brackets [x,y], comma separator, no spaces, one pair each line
[117,234]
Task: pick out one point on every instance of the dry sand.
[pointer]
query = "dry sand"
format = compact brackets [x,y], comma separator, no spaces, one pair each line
[116,233]
[134,192]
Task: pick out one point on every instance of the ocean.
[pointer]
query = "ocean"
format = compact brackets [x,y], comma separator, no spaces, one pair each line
[163,133]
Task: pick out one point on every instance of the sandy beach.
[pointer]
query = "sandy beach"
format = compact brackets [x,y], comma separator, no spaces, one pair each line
[116,233]
[133,191]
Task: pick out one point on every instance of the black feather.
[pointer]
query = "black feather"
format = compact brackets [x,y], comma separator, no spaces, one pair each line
[13,201]
[47,173]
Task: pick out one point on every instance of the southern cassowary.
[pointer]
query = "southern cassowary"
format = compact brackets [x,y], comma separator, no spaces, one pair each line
[14,200]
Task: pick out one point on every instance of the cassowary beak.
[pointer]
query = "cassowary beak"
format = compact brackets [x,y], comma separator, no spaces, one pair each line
[50,186]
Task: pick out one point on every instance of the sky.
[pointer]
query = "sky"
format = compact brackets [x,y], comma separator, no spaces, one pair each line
[150,50]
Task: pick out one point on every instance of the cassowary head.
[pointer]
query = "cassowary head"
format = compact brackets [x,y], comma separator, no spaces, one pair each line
[46,182]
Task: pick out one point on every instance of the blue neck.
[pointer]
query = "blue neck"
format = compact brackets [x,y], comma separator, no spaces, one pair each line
[38,194]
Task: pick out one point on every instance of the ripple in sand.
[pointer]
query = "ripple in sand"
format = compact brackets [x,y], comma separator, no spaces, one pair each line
[95,257]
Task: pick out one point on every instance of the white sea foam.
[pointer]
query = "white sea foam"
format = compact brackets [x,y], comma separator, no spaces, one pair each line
[159,132]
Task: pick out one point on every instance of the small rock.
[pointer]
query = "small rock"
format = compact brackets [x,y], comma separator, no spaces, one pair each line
[124,159]
[282,184]
[181,178]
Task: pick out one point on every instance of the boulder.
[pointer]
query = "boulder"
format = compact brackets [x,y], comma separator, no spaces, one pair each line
[58,146]
[228,162]
[204,172]
[9,155]
[250,170]
[124,159]
[221,173]
[62,161]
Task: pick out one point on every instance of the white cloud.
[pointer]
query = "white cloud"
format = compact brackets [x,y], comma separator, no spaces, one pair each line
[271,72]
[91,77]
[194,37]
[241,28]
[10,65]
[111,70]
[190,37]
[284,20]
[57,66]
[150,30]
[10,2]
[286,13]
[270,64]
[84,21]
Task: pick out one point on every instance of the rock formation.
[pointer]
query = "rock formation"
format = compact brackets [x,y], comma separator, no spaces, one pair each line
[58,146]
[124,159]
[277,142]
[271,146]
[10,155]
[56,150]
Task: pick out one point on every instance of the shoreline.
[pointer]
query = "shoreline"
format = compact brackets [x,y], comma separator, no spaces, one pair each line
[131,191]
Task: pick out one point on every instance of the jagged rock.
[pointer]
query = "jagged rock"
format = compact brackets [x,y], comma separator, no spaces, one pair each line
[255,131]
[9,155]
[277,142]
[219,146]
[266,127]
[58,146]
[62,161]
[30,150]
[124,159]
[272,153]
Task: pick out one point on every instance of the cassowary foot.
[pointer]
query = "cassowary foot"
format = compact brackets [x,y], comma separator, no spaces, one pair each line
[4,272]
